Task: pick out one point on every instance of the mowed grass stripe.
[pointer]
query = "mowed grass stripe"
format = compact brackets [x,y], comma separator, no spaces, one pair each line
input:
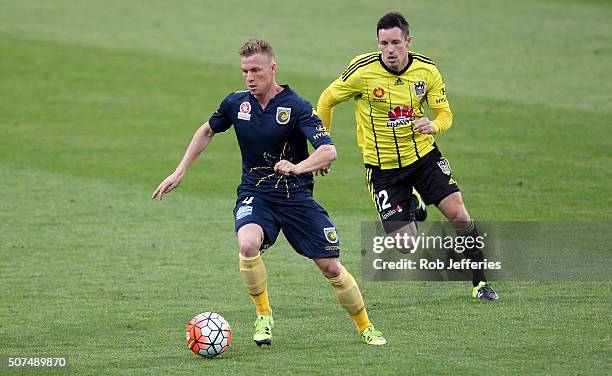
[542,71]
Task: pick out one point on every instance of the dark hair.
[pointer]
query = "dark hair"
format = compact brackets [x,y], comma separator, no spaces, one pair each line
[391,20]
[256,46]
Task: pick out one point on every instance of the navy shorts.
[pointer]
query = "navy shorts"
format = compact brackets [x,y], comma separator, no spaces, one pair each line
[305,224]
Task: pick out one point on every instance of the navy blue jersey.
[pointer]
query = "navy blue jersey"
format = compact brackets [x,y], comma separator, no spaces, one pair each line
[268,135]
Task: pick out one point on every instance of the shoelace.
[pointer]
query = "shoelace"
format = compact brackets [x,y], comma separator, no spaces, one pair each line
[374,333]
[259,326]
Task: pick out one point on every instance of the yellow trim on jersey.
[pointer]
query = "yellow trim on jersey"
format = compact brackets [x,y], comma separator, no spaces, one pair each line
[370,185]
[386,106]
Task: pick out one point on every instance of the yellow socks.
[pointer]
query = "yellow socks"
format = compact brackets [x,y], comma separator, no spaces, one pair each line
[253,273]
[348,295]
[254,276]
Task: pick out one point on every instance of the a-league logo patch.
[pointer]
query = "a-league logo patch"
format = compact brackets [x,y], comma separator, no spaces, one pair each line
[419,89]
[245,111]
[331,235]
[244,211]
[283,114]
[445,167]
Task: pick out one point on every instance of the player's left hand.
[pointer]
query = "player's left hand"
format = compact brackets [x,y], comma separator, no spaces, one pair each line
[286,168]
[323,171]
[424,125]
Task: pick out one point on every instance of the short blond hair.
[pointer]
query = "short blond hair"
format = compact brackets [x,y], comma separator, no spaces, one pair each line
[256,46]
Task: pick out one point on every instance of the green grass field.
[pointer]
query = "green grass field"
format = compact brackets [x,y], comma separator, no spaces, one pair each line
[99,100]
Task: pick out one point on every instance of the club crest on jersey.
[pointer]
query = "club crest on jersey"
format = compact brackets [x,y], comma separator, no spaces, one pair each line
[400,116]
[283,114]
[330,234]
[445,167]
[419,89]
[245,111]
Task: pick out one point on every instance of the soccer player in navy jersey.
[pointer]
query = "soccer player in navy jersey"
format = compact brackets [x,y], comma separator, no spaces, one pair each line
[273,124]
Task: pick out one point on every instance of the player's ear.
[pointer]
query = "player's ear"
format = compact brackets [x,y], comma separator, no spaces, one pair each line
[409,41]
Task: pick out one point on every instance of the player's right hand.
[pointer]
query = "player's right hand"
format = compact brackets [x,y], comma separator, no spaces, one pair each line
[167,185]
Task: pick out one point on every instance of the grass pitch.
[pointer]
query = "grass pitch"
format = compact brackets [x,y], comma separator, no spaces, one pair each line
[99,101]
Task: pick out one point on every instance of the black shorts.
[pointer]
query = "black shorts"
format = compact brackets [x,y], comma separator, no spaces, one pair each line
[391,189]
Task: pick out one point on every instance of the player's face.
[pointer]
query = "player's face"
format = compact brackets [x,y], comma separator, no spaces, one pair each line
[394,47]
[258,72]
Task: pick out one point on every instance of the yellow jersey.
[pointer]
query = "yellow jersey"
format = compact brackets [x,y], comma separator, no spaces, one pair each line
[387,104]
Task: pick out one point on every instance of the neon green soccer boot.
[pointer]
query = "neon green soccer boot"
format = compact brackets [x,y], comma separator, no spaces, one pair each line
[373,337]
[263,330]
[484,291]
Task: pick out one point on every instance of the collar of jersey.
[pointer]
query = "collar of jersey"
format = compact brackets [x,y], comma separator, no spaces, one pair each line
[410,59]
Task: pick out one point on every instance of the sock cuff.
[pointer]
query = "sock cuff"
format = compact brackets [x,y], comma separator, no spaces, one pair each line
[249,260]
[469,229]
[340,279]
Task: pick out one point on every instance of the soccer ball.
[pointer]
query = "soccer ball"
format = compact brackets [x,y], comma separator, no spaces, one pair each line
[208,334]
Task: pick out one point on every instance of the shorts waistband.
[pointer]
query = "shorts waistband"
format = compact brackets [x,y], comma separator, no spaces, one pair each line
[376,168]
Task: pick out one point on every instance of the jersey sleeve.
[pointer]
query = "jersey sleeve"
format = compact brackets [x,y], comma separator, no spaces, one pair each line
[312,127]
[220,120]
[436,94]
[443,120]
[348,84]
[325,108]
[345,87]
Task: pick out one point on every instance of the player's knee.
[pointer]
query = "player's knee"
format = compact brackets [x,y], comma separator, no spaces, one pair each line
[405,238]
[331,270]
[458,216]
[249,248]
[405,247]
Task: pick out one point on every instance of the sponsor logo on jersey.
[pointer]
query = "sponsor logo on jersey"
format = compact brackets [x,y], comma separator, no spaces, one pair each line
[387,214]
[322,132]
[399,81]
[314,112]
[283,114]
[445,167]
[245,111]
[330,234]
[419,89]
[398,209]
[400,116]
[379,92]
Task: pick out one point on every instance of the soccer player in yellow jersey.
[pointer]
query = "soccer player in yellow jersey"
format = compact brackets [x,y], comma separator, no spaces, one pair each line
[390,89]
